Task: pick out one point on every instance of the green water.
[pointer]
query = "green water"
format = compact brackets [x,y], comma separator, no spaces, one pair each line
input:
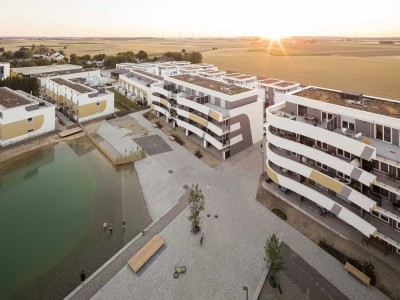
[53,203]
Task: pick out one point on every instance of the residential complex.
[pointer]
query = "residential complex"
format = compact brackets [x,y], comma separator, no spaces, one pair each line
[270,86]
[23,116]
[4,70]
[339,151]
[67,74]
[136,84]
[224,116]
[78,101]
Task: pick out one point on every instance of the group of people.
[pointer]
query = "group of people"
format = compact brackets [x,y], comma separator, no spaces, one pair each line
[110,227]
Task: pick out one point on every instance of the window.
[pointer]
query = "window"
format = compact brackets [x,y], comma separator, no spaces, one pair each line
[326,116]
[384,168]
[342,153]
[30,130]
[398,225]
[384,193]
[322,145]
[321,187]
[341,175]
[348,125]
[383,133]
[322,166]
[384,218]
[29,120]
[375,164]
[374,213]
[1,115]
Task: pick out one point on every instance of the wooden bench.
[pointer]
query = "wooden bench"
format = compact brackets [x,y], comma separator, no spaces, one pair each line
[357,273]
[144,254]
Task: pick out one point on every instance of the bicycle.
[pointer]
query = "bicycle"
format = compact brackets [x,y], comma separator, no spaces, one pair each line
[179,270]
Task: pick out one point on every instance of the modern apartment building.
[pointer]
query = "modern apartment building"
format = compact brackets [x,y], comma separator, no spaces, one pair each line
[136,84]
[4,70]
[224,116]
[79,101]
[67,74]
[270,86]
[23,116]
[339,151]
[249,81]
[212,74]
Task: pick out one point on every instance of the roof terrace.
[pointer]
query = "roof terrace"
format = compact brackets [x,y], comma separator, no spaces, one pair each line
[218,86]
[11,99]
[73,86]
[353,100]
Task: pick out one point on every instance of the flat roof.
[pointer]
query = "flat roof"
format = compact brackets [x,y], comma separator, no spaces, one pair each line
[211,72]
[365,103]
[285,84]
[65,72]
[144,73]
[11,99]
[74,86]
[239,76]
[218,86]
[44,69]
[269,81]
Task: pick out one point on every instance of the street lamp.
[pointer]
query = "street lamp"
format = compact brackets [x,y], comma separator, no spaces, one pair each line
[246,289]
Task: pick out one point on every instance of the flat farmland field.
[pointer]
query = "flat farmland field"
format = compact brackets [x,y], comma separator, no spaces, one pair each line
[362,66]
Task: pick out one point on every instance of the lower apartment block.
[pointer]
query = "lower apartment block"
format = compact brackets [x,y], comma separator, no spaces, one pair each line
[23,116]
[79,102]
[340,151]
[224,116]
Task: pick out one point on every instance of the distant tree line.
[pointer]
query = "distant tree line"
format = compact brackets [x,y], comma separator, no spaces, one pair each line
[29,85]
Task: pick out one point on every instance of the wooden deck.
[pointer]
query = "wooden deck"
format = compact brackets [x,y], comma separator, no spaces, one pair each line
[69,132]
[144,254]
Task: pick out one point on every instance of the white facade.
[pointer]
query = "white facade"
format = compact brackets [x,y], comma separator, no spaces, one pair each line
[80,101]
[4,70]
[32,118]
[249,81]
[226,117]
[57,56]
[342,153]
[68,74]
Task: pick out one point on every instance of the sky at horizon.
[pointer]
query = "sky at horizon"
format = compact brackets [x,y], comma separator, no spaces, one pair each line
[206,18]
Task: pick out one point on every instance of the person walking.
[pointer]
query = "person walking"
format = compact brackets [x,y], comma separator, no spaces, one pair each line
[83,277]
[105,226]
[123,224]
[111,229]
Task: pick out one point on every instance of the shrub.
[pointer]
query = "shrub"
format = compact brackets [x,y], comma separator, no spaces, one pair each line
[178,139]
[366,267]
[279,213]
[198,153]
[146,115]
[159,125]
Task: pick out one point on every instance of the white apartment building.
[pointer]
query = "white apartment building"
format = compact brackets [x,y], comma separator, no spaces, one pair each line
[212,74]
[79,101]
[249,81]
[67,74]
[270,86]
[136,85]
[4,70]
[223,116]
[23,116]
[339,152]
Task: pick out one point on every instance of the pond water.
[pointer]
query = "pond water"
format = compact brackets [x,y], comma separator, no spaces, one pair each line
[53,203]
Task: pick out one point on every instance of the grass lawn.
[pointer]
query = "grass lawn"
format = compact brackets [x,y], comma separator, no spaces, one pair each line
[122,103]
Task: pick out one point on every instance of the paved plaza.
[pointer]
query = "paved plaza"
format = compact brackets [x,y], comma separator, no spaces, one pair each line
[233,247]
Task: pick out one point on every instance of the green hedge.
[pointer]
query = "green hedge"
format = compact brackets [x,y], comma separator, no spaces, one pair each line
[365,266]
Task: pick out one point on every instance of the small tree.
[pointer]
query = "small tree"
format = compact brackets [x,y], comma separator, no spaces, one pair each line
[273,257]
[196,205]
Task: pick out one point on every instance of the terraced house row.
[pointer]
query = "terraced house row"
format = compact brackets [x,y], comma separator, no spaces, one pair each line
[339,151]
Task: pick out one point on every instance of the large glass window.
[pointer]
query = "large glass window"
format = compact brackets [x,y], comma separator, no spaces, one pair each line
[348,125]
[342,153]
[383,133]
[384,168]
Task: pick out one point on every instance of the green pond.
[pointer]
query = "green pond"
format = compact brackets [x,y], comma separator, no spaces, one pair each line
[53,203]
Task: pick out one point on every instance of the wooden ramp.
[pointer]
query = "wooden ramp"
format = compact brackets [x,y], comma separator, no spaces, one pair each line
[144,254]
[69,132]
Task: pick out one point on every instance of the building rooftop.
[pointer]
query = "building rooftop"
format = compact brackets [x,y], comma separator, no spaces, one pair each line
[151,75]
[64,72]
[212,72]
[269,81]
[285,84]
[239,76]
[11,99]
[74,86]
[218,86]
[353,100]
[45,69]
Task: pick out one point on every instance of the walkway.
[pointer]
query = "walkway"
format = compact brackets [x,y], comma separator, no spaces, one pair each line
[233,247]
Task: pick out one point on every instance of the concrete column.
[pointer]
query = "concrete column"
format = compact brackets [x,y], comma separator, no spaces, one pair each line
[205,143]
[174,123]
[157,113]
[187,132]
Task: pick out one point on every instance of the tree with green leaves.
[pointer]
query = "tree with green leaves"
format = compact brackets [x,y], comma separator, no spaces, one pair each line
[196,205]
[273,257]
[195,57]
[30,85]
[141,55]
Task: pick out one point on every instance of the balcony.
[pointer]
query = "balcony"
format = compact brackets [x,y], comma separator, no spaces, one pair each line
[340,187]
[160,90]
[277,118]
[157,99]
[322,199]
[217,113]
